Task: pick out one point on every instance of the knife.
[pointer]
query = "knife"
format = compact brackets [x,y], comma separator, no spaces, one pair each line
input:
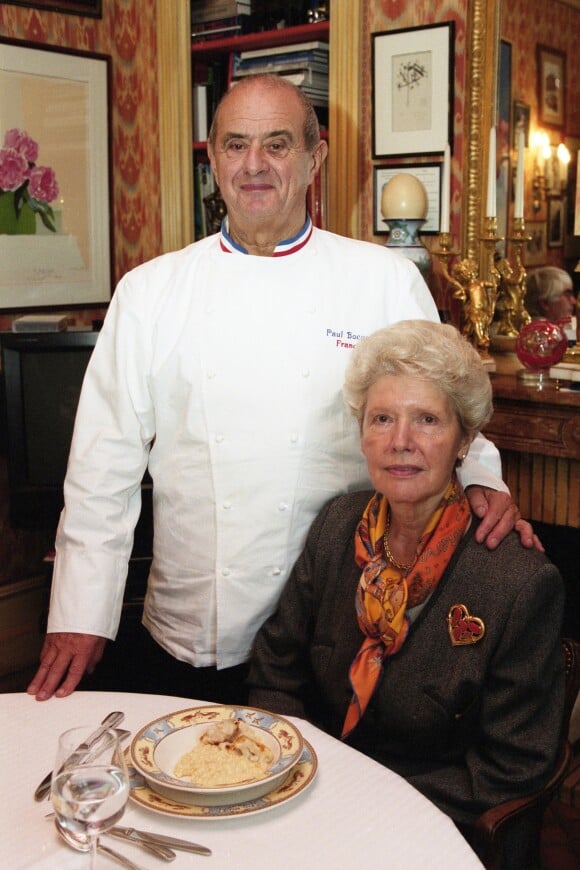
[160,851]
[161,839]
[108,722]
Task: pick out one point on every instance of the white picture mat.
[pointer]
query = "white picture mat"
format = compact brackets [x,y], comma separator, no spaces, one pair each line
[411,113]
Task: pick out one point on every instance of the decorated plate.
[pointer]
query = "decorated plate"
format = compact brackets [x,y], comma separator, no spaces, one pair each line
[216,754]
[297,780]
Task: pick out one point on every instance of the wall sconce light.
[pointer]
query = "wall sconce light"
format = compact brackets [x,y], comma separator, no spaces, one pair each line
[550,168]
[563,156]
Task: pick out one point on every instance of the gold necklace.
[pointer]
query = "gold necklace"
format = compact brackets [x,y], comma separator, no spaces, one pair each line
[388,553]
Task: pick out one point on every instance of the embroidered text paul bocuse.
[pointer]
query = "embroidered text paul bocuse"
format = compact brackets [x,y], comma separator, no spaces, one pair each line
[344,337]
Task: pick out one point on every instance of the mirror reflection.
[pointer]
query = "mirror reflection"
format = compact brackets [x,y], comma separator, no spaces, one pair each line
[538,130]
[539,72]
[526,221]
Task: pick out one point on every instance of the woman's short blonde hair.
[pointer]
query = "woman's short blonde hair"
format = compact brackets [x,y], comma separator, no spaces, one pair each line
[433,352]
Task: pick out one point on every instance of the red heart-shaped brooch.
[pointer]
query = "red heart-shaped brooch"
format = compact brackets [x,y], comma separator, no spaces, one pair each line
[464,628]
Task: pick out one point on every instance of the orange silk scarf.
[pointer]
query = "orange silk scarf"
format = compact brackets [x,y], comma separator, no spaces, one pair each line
[384,592]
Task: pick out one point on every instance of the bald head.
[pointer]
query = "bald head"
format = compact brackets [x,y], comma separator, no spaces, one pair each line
[265,82]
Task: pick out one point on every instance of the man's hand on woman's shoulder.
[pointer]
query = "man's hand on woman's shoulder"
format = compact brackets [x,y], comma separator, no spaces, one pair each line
[499,515]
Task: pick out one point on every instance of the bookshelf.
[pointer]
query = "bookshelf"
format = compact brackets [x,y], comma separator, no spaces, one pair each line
[263,39]
[218,54]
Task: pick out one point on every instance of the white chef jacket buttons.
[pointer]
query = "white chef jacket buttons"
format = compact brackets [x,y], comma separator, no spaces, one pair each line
[210,374]
[293,438]
[276,572]
[219,438]
[305,373]
[227,505]
[282,506]
[226,572]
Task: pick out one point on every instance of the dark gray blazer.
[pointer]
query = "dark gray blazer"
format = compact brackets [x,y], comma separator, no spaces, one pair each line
[469,726]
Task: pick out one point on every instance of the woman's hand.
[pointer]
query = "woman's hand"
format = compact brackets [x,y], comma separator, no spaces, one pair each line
[499,515]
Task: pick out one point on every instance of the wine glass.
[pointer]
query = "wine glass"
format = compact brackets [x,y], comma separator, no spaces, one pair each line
[89,788]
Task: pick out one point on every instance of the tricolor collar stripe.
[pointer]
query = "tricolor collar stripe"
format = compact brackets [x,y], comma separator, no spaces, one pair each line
[288,246]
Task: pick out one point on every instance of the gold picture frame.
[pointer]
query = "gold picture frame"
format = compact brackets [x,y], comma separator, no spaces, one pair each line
[551,65]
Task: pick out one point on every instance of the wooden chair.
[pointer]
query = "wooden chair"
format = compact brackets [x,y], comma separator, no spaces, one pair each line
[508,835]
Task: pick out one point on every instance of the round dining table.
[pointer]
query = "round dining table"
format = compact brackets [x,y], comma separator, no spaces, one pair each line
[353,813]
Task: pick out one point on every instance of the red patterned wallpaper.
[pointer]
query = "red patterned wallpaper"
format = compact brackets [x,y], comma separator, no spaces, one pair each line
[127,31]
[553,24]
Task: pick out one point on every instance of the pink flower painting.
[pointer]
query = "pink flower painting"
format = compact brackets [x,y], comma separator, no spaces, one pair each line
[29,184]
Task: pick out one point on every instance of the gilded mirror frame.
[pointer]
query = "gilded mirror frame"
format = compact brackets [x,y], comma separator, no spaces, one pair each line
[480,114]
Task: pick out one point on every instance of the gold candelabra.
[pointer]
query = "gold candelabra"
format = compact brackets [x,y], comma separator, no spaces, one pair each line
[478,293]
[494,289]
[512,293]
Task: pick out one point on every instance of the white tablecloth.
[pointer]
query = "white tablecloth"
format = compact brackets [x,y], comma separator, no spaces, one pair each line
[356,813]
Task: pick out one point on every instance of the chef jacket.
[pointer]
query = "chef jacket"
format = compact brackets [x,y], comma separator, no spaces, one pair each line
[222,373]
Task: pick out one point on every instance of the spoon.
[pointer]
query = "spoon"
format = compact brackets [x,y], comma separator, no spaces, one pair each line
[83,846]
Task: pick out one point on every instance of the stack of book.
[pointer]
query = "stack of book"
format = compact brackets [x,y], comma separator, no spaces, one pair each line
[217,19]
[209,83]
[304,64]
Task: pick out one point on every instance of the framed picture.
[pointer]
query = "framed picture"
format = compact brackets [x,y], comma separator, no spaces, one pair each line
[556,219]
[429,174]
[521,121]
[55,214]
[555,174]
[535,251]
[91,8]
[412,82]
[551,86]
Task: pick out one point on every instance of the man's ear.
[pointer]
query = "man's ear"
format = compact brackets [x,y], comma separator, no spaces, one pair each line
[212,162]
[319,156]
